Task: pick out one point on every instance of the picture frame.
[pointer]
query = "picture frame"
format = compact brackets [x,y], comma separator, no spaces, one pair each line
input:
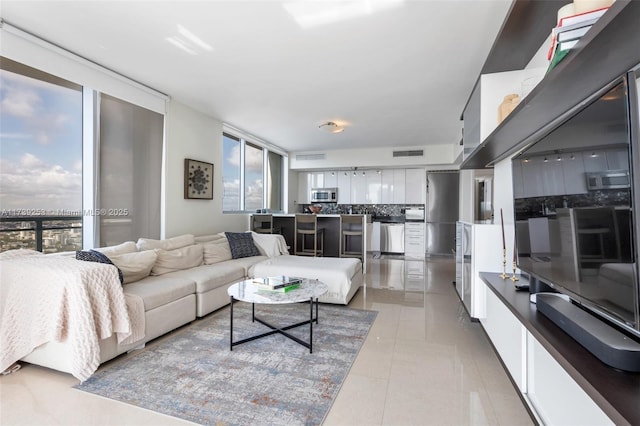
[198,180]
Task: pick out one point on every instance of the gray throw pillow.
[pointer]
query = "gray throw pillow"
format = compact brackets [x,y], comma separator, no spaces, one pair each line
[241,244]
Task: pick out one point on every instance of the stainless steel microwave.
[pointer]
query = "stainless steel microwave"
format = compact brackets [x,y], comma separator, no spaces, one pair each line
[608,180]
[324,195]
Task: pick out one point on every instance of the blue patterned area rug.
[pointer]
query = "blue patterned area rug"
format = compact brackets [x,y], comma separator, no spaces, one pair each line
[194,376]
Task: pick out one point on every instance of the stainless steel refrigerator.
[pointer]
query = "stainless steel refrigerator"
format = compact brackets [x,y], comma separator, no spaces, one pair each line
[441,212]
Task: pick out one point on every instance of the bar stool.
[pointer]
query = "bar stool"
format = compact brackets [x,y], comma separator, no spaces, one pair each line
[350,229]
[306,226]
[262,223]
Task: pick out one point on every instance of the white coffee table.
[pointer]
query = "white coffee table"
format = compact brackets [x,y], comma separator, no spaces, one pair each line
[309,291]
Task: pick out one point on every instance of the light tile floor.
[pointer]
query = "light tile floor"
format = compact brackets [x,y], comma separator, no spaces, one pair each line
[423,363]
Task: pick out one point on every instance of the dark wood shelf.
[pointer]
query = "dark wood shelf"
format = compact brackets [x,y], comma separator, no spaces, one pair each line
[606,52]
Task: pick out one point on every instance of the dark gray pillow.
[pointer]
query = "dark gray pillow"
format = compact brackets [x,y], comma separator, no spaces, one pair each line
[96,256]
[241,244]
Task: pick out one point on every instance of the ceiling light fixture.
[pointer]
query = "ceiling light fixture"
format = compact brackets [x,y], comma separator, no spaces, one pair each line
[331,127]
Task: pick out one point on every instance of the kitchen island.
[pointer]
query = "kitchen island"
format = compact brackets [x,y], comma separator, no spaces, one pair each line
[284,224]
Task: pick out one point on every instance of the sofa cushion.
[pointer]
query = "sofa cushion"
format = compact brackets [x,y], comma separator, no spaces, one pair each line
[126,247]
[161,289]
[208,277]
[135,266]
[247,262]
[216,251]
[209,238]
[241,245]
[178,259]
[166,244]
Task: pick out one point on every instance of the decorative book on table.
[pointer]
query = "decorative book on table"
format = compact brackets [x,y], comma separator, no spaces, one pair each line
[277,283]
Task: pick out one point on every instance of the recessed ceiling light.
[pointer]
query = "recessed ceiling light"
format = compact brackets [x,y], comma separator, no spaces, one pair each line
[331,127]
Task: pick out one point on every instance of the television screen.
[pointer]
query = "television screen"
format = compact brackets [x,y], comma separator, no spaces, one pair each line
[573,205]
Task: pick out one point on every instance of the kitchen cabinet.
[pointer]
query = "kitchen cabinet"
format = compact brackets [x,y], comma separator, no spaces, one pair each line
[552,175]
[415,186]
[393,186]
[344,187]
[359,189]
[595,161]
[304,188]
[414,239]
[617,159]
[330,179]
[374,187]
[306,182]
[399,186]
[518,183]
[387,186]
[532,178]
[574,179]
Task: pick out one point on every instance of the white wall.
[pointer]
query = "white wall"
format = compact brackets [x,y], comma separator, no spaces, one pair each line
[434,155]
[191,134]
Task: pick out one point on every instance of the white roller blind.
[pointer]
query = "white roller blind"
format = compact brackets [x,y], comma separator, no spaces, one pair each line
[38,53]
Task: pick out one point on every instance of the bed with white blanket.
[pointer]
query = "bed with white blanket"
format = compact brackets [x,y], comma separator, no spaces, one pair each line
[342,275]
[47,299]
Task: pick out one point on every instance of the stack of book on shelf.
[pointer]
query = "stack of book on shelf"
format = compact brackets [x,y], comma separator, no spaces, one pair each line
[280,284]
[569,31]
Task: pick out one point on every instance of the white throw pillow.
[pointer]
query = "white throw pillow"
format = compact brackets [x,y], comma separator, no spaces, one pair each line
[176,260]
[126,247]
[135,266]
[216,251]
[168,244]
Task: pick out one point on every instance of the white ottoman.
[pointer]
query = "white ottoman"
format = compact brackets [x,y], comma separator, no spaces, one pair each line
[342,275]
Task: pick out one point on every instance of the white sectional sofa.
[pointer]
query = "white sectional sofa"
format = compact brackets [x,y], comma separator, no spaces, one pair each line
[186,277]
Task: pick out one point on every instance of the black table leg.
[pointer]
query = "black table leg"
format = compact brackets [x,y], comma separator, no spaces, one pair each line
[311,325]
[231,325]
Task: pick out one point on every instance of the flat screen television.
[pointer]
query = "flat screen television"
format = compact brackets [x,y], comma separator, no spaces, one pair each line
[575,200]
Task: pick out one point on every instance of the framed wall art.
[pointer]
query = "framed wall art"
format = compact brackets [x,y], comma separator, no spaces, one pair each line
[198,180]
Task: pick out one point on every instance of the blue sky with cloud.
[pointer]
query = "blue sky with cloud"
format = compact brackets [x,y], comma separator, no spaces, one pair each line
[40,144]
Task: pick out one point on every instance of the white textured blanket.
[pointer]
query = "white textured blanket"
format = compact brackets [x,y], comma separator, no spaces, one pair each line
[57,298]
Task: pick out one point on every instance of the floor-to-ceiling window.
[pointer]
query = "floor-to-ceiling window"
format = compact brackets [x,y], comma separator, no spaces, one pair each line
[253,175]
[50,186]
[231,153]
[40,160]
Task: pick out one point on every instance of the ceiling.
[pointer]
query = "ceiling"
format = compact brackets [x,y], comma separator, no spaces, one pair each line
[395,73]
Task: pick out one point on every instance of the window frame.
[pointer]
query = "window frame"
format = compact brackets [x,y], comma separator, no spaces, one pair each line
[266,148]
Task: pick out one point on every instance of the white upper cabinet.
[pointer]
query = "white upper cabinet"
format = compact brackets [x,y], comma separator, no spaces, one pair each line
[393,186]
[304,188]
[344,187]
[617,159]
[331,179]
[316,180]
[374,187]
[387,186]
[358,189]
[595,161]
[518,184]
[415,186]
[574,178]
[398,186]
[532,177]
